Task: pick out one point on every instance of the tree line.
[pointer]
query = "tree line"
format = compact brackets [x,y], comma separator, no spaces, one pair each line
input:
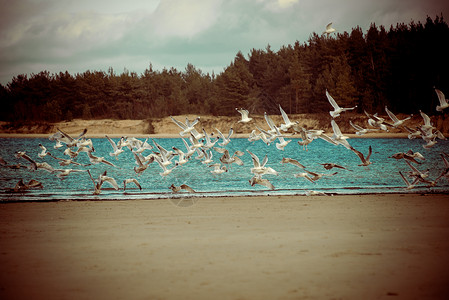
[399,67]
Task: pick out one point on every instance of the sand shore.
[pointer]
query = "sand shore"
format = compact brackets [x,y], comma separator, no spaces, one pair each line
[283,247]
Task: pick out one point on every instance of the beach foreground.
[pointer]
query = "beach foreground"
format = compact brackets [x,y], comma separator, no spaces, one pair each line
[283,247]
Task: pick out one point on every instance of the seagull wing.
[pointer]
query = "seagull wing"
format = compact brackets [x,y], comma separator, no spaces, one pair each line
[441,97]
[391,115]
[359,154]
[331,100]
[110,180]
[370,151]
[187,188]
[335,128]
[255,159]
[114,146]
[284,116]
[180,124]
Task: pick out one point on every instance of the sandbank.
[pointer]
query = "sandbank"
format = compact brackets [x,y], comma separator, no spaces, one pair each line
[278,247]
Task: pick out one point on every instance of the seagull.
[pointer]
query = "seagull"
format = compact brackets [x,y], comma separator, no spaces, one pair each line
[177,189]
[195,142]
[304,175]
[63,137]
[337,109]
[412,134]
[117,150]
[190,149]
[359,129]
[218,169]
[316,176]
[365,160]
[30,185]
[445,172]
[141,147]
[165,171]
[63,173]
[182,159]
[165,157]
[282,142]
[226,158]
[409,185]
[421,176]
[131,180]
[315,193]
[329,29]
[257,179]
[259,168]
[244,113]
[286,160]
[338,136]
[69,152]
[427,123]
[96,160]
[443,101]
[102,179]
[410,155]
[44,152]
[22,154]
[270,123]
[225,140]
[287,123]
[141,165]
[396,121]
[208,144]
[207,157]
[329,166]
[305,139]
[266,136]
[65,162]
[188,127]
[376,122]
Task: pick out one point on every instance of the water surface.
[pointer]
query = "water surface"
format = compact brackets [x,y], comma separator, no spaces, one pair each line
[380,177]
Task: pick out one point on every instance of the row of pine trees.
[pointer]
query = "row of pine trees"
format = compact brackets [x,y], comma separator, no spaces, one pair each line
[399,68]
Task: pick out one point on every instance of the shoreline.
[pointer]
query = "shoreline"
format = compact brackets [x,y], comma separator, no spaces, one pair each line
[175,135]
[277,247]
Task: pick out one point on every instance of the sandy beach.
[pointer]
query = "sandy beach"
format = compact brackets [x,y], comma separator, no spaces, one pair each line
[279,247]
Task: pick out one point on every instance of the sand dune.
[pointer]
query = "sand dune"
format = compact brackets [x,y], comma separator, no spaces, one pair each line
[165,126]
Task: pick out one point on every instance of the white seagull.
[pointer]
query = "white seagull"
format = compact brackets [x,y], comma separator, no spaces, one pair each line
[218,169]
[396,121]
[409,185]
[329,29]
[117,150]
[188,127]
[102,179]
[244,113]
[44,152]
[225,140]
[443,101]
[287,123]
[359,129]
[131,180]
[338,137]
[337,109]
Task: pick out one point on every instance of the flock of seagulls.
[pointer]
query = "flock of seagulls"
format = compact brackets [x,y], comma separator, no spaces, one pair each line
[202,145]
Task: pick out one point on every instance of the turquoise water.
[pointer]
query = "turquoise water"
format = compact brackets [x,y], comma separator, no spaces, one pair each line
[380,177]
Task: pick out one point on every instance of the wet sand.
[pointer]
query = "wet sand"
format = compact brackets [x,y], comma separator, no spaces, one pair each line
[278,247]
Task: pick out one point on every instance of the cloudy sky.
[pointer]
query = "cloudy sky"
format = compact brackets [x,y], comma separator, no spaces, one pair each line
[80,35]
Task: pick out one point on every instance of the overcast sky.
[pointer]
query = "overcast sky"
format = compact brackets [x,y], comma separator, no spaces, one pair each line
[80,35]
